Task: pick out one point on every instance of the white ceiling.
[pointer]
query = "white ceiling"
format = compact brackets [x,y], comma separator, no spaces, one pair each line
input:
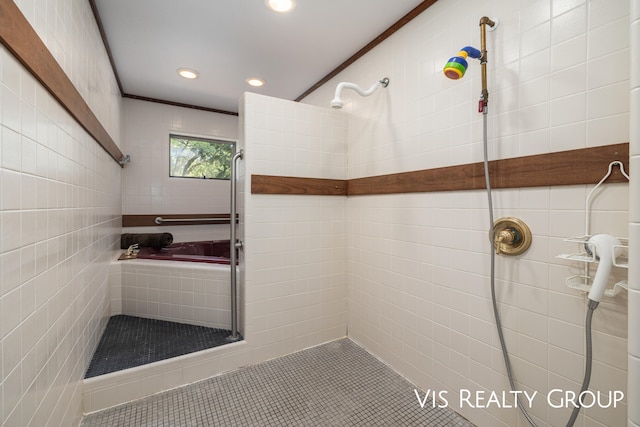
[227,41]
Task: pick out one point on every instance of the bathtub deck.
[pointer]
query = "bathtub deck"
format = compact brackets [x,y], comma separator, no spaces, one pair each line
[130,341]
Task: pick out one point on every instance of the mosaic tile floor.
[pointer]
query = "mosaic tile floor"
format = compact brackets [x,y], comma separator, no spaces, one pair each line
[130,341]
[335,384]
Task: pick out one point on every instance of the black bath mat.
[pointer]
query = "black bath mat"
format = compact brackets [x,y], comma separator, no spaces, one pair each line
[130,341]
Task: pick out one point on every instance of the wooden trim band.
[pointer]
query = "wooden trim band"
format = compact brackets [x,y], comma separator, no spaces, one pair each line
[574,167]
[149,220]
[23,42]
[453,178]
[269,184]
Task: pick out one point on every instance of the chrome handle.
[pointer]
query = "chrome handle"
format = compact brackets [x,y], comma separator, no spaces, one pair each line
[233,255]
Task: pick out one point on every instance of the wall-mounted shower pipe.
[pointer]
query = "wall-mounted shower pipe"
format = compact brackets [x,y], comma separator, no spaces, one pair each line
[606,242]
[484,98]
[233,245]
[457,65]
[338,103]
[484,21]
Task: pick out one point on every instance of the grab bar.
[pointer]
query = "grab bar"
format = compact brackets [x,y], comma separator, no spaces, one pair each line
[159,220]
[234,244]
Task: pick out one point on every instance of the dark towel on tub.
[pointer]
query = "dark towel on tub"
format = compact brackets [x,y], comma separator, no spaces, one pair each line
[154,240]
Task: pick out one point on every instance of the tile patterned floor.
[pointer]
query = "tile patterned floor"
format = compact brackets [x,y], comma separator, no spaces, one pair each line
[130,341]
[335,384]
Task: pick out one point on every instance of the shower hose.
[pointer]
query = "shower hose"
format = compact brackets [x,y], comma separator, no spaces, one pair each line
[505,354]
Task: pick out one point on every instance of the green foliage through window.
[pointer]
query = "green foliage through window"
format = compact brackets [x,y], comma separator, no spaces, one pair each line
[200,158]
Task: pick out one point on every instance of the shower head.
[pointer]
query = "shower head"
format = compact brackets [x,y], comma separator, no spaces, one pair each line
[603,247]
[457,65]
[338,103]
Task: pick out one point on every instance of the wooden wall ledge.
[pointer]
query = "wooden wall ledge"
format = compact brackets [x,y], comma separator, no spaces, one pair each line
[574,167]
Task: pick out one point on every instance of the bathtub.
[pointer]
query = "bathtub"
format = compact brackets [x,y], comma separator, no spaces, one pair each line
[186,282]
[211,251]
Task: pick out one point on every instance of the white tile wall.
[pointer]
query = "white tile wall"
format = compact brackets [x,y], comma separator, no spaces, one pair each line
[410,288]
[294,261]
[69,31]
[183,292]
[548,92]
[59,220]
[147,187]
[418,264]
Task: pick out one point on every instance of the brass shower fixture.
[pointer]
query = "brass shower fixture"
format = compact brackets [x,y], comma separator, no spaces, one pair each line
[510,236]
[484,21]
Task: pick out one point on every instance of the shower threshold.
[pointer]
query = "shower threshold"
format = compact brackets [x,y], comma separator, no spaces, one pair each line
[130,341]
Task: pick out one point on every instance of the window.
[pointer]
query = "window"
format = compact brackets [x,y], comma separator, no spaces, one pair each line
[193,157]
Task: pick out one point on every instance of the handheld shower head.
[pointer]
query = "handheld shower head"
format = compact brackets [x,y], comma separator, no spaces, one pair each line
[603,247]
[457,65]
[338,103]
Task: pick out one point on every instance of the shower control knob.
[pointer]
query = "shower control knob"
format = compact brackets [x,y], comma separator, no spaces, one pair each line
[510,236]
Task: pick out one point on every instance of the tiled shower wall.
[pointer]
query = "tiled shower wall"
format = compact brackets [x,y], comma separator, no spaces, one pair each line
[147,187]
[184,292]
[70,33]
[293,267]
[60,216]
[418,272]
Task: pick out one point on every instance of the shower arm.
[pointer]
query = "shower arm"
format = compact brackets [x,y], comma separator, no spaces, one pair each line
[337,100]
[484,99]
[362,92]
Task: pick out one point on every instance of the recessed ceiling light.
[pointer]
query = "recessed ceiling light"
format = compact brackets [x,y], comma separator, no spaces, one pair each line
[187,73]
[280,5]
[255,81]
